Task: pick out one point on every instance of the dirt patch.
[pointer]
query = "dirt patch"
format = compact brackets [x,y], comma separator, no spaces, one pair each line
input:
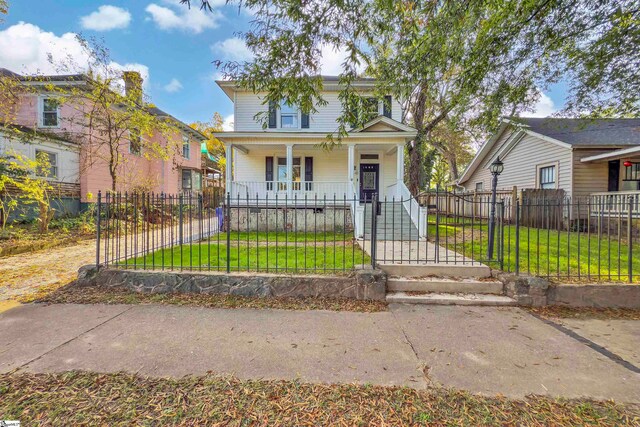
[81,398]
[560,312]
[103,295]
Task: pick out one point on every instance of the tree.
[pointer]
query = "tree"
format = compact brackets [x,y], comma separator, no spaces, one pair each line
[108,119]
[214,145]
[466,62]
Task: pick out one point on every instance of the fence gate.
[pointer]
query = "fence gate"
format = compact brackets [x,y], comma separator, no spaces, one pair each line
[437,227]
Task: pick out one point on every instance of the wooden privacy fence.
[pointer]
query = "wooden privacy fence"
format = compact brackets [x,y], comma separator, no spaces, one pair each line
[469,204]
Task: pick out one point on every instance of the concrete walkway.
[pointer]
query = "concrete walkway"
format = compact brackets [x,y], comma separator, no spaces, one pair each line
[486,350]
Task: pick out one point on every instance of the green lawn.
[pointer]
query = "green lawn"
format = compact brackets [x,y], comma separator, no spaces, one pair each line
[548,253]
[260,252]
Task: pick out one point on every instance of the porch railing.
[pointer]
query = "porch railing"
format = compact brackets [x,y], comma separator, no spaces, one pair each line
[615,203]
[292,190]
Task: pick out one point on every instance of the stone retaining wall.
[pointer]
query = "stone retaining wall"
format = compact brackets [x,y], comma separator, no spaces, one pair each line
[362,284]
[320,219]
[536,291]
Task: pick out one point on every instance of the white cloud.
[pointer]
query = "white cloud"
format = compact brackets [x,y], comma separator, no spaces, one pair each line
[233,49]
[25,48]
[332,59]
[173,86]
[106,18]
[227,125]
[180,17]
[544,107]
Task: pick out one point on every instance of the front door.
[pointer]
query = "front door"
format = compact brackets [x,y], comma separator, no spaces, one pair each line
[614,175]
[369,177]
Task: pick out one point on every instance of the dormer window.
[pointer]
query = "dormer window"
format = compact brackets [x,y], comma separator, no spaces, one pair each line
[49,112]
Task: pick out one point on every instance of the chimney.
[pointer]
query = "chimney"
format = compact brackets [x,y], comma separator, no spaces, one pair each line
[133,85]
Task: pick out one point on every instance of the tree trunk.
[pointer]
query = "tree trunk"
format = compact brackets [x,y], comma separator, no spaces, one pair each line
[452,162]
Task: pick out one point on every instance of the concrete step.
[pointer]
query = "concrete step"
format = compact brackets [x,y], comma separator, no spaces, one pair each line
[444,285]
[437,269]
[449,299]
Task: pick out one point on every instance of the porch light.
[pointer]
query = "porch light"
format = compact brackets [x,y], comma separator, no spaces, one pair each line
[496,167]
[627,164]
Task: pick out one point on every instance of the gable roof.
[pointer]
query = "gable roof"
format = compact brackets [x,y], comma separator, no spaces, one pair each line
[586,132]
[73,79]
[384,124]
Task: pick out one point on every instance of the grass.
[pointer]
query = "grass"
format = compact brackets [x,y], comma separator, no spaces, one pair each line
[82,398]
[261,252]
[548,253]
[103,295]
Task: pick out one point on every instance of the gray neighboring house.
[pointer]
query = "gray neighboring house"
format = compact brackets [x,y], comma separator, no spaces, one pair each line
[585,158]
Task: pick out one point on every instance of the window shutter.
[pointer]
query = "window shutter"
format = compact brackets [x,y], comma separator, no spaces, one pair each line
[272,115]
[304,121]
[387,106]
[268,176]
[308,173]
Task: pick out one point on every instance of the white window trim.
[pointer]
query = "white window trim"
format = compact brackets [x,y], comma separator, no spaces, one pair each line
[41,124]
[57,169]
[187,142]
[291,129]
[546,165]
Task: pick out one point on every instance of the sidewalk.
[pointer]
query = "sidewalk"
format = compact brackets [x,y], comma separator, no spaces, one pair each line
[486,350]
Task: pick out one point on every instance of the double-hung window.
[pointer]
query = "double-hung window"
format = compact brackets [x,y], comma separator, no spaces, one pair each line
[288,116]
[50,112]
[547,177]
[186,147]
[47,164]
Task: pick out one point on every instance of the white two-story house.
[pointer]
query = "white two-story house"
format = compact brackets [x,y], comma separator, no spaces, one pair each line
[286,162]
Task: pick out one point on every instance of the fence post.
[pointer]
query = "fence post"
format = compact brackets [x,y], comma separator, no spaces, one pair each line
[98,229]
[630,242]
[514,197]
[501,235]
[228,226]
[180,218]
[437,247]
[517,248]
[374,227]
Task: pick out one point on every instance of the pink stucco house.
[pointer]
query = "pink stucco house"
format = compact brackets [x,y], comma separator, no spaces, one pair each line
[38,111]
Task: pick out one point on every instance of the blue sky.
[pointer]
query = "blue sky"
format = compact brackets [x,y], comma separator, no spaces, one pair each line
[171,45]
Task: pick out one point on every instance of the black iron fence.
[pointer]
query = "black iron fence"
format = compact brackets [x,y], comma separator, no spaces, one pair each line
[581,239]
[250,234]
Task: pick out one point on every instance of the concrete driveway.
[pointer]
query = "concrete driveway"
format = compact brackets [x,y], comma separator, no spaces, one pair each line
[485,350]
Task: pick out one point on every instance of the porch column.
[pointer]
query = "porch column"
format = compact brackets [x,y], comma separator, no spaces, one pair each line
[229,166]
[351,161]
[399,167]
[290,170]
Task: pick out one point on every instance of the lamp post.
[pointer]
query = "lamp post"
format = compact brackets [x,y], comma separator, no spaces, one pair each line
[496,169]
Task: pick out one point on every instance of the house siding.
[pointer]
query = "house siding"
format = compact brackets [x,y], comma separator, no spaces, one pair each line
[590,177]
[522,162]
[248,105]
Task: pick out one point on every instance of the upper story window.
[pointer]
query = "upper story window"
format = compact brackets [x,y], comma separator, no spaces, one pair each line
[49,112]
[369,108]
[135,142]
[47,164]
[186,147]
[285,116]
[288,116]
[547,177]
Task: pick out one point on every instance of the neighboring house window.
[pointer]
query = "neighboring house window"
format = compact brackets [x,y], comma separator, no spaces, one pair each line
[186,179]
[548,177]
[49,170]
[135,142]
[50,112]
[186,147]
[288,116]
[479,186]
[191,180]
